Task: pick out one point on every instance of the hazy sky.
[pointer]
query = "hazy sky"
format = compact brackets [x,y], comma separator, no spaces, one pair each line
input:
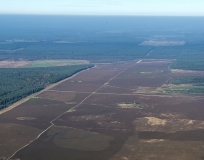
[104,7]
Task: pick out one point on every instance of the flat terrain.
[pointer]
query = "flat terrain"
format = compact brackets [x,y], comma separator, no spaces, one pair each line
[40,63]
[116,111]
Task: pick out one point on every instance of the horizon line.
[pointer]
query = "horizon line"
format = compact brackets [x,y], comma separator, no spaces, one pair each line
[99,15]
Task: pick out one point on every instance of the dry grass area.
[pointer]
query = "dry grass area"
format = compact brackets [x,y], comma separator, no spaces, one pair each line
[78,139]
[26,118]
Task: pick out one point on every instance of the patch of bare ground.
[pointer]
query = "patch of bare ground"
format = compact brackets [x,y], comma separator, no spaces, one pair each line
[167,125]
[185,71]
[16,136]
[137,105]
[26,118]
[155,61]
[145,90]
[13,64]
[162,43]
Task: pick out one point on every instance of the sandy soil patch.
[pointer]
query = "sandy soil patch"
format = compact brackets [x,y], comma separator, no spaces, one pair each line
[26,118]
[44,63]
[153,141]
[162,43]
[185,71]
[137,105]
[153,121]
[145,90]
[167,125]
[171,115]
[12,64]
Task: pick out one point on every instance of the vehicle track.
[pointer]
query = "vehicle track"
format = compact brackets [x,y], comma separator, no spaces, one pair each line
[73,108]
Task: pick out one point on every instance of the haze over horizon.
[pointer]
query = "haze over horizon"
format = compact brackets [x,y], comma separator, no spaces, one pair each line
[104,7]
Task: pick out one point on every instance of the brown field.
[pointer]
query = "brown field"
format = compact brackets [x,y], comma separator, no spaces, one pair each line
[113,111]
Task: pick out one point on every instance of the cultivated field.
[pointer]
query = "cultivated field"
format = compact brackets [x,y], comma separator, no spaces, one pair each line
[117,111]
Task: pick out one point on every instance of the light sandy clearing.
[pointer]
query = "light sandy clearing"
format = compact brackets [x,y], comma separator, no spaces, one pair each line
[26,118]
[41,63]
[169,125]
[185,71]
[153,121]
[162,43]
[13,64]
[153,140]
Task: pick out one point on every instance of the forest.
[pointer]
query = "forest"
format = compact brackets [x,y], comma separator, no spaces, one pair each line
[17,83]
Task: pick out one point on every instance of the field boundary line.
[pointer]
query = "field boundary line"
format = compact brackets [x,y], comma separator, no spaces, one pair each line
[16,104]
[51,122]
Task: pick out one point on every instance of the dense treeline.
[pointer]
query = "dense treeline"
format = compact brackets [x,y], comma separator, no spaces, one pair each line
[191,58]
[95,51]
[188,57]
[197,81]
[196,84]
[17,83]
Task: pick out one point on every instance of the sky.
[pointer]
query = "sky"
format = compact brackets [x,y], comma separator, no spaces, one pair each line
[104,7]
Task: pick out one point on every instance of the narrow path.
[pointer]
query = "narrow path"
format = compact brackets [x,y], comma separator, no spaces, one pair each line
[14,105]
[148,53]
[73,108]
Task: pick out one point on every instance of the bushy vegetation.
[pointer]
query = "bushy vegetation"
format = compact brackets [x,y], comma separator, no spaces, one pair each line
[100,52]
[167,52]
[196,84]
[17,83]
[198,81]
[192,58]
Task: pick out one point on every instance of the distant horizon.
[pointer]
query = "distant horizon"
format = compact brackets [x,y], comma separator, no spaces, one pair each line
[104,7]
[11,14]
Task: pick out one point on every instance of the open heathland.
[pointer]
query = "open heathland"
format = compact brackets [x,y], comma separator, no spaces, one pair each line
[143,99]
[100,121]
